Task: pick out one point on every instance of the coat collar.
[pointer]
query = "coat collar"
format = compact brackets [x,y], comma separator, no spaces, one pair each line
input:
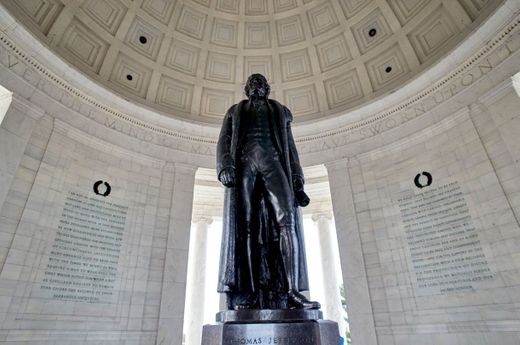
[274,106]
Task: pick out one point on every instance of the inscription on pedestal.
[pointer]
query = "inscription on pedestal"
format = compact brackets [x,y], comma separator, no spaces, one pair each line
[446,253]
[320,332]
[83,260]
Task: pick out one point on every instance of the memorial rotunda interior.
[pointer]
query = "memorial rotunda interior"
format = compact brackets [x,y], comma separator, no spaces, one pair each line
[406,119]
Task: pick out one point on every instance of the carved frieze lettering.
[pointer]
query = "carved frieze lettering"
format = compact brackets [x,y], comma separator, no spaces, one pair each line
[506,43]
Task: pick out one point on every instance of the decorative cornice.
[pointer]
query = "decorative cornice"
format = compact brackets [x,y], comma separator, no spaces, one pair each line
[497,92]
[101,145]
[26,107]
[431,132]
[465,79]
[461,78]
[26,58]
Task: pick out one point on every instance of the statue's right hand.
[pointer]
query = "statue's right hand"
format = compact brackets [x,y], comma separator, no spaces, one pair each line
[227,177]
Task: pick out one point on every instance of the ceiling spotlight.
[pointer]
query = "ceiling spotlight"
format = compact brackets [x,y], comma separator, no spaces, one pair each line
[143,39]
[388,69]
[129,77]
[372,32]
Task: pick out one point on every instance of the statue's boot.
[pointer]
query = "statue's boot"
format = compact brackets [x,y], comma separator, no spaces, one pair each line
[289,251]
[249,303]
[298,301]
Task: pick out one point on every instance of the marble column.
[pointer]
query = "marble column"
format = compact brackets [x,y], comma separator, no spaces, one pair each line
[359,305]
[331,305]
[195,300]
[15,130]
[496,122]
[173,293]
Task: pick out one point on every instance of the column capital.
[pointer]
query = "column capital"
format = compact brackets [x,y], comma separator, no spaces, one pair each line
[203,219]
[341,163]
[185,168]
[322,215]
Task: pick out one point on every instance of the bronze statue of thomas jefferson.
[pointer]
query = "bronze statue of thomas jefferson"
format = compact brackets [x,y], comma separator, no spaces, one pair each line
[262,260]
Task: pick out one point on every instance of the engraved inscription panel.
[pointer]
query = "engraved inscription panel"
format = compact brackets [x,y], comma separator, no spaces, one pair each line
[83,260]
[445,251]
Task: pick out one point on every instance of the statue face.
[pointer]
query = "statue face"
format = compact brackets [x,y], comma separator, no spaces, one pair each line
[256,86]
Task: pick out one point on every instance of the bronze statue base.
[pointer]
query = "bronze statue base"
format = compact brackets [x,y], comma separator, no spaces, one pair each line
[266,327]
[268,315]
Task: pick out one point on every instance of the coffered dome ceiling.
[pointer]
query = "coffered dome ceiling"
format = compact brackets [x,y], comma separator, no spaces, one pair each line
[189,58]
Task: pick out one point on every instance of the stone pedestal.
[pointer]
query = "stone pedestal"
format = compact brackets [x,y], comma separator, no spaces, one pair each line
[298,327]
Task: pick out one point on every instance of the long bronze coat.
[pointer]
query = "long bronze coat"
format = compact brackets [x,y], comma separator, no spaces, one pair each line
[235,275]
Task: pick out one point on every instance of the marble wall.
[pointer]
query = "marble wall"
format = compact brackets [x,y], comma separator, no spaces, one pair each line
[80,264]
[431,265]
[435,263]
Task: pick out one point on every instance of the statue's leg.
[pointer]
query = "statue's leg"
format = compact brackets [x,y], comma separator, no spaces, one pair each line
[246,184]
[280,199]
[289,255]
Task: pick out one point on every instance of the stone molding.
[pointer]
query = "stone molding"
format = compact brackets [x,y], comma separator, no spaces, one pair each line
[467,74]
[498,92]
[306,60]
[484,40]
[26,107]
[185,168]
[81,137]
[338,164]
[464,76]
[420,136]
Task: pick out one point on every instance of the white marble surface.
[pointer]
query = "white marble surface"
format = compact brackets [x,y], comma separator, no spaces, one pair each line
[53,140]
[482,163]
[16,128]
[355,281]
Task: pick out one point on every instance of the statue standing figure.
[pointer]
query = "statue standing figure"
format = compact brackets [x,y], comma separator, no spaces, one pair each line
[262,260]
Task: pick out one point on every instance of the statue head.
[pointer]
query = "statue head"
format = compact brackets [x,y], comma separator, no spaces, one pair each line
[257,86]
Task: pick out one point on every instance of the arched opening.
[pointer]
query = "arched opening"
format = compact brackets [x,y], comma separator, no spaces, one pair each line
[324,269]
